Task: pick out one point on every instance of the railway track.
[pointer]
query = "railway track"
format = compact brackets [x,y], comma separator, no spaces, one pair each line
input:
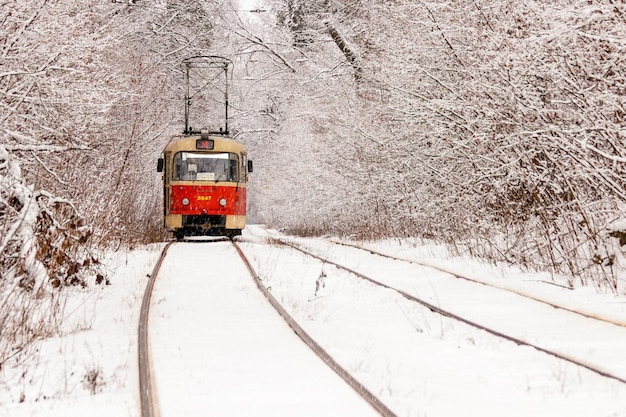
[600,367]
[588,314]
[149,389]
[147,394]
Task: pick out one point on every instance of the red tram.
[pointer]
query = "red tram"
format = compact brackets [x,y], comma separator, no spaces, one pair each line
[204,185]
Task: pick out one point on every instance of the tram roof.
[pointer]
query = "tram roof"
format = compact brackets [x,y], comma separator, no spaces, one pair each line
[189,143]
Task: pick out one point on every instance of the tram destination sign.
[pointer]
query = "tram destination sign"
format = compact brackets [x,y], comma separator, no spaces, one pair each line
[205,144]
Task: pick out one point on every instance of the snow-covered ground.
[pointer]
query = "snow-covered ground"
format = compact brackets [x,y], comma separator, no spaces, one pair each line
[91,367]
[417,362]
[422,364]
[220,349]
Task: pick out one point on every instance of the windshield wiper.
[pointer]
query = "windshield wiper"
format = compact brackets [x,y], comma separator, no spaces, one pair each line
[220,176]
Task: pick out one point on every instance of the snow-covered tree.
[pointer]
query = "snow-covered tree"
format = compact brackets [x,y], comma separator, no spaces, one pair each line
[494,126]
[88,95]
[52,95]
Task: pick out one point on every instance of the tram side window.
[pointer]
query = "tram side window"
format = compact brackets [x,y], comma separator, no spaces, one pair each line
[234,161]
[181,168]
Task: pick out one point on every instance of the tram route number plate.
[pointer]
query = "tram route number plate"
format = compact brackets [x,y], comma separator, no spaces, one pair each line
[205,144]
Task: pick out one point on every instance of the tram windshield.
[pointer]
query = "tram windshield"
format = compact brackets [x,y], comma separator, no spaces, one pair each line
[196,166]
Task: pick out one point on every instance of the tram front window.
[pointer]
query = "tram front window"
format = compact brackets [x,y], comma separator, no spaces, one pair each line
[193,166]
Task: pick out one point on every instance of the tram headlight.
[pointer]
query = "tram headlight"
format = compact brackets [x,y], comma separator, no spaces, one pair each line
[222,202]
[185,201]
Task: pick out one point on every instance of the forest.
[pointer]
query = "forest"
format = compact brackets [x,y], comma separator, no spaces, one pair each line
[494,127]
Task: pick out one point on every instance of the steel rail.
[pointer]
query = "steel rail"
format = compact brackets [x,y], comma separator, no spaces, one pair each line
[308,340]
[487,284]
[147,394]
[456,317]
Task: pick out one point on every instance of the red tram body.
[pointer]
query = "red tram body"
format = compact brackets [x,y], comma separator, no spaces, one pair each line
[204,185]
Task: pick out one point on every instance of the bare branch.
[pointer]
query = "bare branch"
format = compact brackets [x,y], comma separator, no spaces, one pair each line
[348,51]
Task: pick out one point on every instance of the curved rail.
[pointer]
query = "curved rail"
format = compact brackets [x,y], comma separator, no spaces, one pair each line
[146,389]
[588,315]
[306,338]
[148,397]
[456,317]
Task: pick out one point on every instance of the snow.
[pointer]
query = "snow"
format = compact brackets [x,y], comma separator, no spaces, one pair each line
[28,217]
[97,343]
[499,310]
[240,347]
[417,362]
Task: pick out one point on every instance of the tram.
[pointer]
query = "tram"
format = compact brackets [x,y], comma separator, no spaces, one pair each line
[205,175]
[204,186]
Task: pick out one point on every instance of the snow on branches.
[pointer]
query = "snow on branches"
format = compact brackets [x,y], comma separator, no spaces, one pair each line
[42,235]
[494,125]
[42,247]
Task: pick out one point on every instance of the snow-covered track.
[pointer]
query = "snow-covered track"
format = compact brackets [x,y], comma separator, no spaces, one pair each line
[146,394]
[597,368]
[588,314]
[152,388]
[311,343]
